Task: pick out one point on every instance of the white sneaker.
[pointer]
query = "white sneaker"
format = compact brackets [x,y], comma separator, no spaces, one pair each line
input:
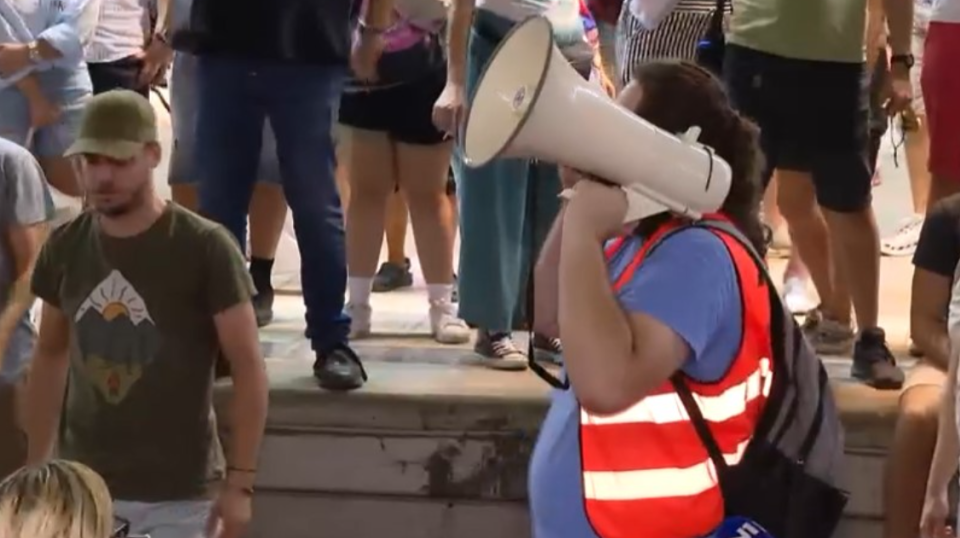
[360,320]
[445,326]
[796,296]
[904,241]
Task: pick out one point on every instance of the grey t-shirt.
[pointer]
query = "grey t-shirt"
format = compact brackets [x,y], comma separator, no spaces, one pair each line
[24,201]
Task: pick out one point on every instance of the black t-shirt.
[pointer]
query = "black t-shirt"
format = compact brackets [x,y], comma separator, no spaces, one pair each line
[297,31]
[938,249]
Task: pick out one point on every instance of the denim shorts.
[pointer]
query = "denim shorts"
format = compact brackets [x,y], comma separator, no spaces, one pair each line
[69,89]
[183,105]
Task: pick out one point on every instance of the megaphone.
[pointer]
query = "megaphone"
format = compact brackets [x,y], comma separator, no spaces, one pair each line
[531,103]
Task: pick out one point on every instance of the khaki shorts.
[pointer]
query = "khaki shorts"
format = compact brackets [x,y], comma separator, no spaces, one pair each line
[924,374]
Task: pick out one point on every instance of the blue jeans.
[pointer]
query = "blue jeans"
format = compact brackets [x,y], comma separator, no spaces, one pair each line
[236,96]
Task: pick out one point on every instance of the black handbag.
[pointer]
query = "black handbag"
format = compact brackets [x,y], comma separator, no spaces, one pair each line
[711,47]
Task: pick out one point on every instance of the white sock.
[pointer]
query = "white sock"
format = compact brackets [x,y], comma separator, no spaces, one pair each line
[439,293]
[359,290]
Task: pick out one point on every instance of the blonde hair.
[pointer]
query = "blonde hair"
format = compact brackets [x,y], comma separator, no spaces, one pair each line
[59,499]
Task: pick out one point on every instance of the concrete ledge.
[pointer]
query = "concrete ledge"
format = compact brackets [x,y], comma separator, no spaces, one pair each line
[441,449]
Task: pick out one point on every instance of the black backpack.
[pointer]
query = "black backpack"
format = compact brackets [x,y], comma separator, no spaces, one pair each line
[787,478]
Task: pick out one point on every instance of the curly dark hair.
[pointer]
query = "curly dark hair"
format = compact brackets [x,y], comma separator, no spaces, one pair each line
[678,95]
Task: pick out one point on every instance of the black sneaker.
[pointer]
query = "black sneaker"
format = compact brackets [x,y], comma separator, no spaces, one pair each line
[546,349]
[499,352]
[339,369]
[392,276]
[873,363]
[263,308]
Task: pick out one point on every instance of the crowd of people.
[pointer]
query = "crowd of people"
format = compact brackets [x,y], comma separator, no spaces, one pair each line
[348,115]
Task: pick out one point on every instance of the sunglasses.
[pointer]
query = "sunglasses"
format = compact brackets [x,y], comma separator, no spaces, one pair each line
[121,529]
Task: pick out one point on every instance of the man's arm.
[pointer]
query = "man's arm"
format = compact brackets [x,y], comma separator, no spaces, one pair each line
[46,384]
[229,291]
[899,15]
[239,341]
[930,296]
[63,43]
[947,450]
[24,243]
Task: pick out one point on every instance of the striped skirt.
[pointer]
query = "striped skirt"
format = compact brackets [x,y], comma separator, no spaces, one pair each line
[675,38]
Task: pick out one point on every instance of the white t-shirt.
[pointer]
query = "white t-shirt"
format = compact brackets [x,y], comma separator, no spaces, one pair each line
[945,11]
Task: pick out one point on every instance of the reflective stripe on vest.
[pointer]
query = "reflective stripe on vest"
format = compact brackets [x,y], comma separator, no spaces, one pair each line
[645,471]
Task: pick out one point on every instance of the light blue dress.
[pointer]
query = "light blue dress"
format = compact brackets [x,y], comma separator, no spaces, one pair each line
[508,205]
[66,25]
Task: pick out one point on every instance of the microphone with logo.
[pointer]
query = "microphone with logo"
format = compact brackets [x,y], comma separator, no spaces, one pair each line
[740,527]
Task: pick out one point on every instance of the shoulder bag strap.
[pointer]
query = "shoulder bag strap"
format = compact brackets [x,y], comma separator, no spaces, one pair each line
[699,423]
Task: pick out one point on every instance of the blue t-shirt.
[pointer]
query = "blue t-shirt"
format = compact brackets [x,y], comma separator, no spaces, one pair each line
[689,283]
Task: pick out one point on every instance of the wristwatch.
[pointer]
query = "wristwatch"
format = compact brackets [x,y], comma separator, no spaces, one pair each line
[906,60]
[33,52]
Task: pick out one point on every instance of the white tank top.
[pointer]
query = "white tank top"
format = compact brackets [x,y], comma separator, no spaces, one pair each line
[945,11]
[121,31]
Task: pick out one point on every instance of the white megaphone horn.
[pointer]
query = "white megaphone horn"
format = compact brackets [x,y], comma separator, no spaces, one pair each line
[531,103]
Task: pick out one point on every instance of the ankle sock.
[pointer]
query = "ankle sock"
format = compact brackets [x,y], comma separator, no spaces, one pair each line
[359,290]
[439,293]
[260,271]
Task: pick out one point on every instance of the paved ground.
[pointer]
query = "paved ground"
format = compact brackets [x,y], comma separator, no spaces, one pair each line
[400,317]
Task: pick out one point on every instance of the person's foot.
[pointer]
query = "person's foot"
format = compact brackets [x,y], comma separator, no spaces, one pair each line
[827,336]
[361,316]
[445,326]
[263,307]
[499,351]
[455,295]
[546,349]
[339,369]
[393,276]
[796,296]
[903,242]
[873,363]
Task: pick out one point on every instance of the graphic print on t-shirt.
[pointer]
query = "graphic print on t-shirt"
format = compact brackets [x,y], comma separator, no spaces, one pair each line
[117,337]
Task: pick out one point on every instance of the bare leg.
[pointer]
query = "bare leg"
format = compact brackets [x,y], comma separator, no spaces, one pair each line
[268,212]
[423,179]
[917,144]
[396,229]
[908,464]
[797,201]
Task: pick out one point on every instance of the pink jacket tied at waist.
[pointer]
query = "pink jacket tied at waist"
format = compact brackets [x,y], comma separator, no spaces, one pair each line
[413,23]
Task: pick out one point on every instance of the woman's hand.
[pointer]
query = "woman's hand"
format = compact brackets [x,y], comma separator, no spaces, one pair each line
[448,110]
[933,519]
[595,208]
[367,49]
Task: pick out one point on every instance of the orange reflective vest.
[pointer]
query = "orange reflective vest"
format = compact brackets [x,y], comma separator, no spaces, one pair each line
[646,473]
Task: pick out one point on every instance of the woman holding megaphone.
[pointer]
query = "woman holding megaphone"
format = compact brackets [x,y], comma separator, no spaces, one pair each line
[668,309]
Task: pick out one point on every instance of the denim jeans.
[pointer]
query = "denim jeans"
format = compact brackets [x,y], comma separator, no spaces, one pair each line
[236,96]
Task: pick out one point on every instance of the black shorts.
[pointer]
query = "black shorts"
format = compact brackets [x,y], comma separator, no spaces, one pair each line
[404,112]
[813,117]
[117,75]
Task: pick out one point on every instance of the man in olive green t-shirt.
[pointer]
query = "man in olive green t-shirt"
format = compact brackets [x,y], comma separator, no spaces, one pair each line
[139,297]
[796,67]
